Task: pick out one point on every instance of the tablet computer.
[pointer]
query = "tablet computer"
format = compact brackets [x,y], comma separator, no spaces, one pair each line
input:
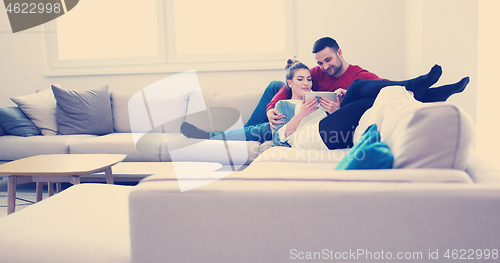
[325,94]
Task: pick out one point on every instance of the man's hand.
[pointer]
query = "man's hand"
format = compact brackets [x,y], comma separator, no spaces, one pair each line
[340,95]
[329,105]
[273,115]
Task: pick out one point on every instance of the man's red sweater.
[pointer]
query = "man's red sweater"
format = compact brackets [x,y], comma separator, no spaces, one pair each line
[324,82]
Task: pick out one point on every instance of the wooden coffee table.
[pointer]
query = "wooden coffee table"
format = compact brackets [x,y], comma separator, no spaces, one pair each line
[57,168]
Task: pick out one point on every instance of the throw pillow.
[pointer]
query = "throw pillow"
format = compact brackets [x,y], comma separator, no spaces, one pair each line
[420,135]
[368,153]
[40,108]
[83,111]
[129,108]
[15,122]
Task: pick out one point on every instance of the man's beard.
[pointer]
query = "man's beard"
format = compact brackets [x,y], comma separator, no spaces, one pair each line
[335,70]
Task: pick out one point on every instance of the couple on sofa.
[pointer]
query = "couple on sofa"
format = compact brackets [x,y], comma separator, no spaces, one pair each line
[295,122]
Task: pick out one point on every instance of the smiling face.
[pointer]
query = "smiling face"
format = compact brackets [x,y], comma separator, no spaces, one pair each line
[330,62]
[300,83]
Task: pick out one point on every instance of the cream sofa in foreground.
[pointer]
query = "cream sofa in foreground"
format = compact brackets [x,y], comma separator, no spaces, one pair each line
[440,201]
[265,215]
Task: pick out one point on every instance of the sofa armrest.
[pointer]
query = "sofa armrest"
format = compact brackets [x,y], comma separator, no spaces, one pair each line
[481,171]
[272,221]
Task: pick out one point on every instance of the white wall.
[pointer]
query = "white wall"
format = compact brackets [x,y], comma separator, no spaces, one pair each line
[450,39]
[392,38]
[370,33]
[489,92]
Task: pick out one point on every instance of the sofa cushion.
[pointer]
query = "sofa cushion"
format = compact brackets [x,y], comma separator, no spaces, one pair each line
[289,154]
[17,147]
[119,106]
[420,135]
[147,149]
[163,103]
[17,123]
[166,109]
[265,145]
[83,111]
[40,107]
[182,149]
[368,153]
[46,232]
[324,172]
[242,101]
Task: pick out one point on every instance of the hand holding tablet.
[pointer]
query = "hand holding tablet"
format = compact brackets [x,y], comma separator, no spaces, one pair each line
[320,94]
[330,105]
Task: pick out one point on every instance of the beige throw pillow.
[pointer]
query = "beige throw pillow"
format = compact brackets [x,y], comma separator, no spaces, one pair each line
[40,107]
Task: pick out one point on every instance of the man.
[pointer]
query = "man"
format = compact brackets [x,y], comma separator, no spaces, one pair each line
[333,73]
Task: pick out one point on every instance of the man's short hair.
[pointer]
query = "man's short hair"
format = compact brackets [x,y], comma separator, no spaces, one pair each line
[324,42]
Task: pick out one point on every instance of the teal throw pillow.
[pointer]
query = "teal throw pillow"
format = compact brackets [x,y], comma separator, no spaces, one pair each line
[15,122]
[368,153]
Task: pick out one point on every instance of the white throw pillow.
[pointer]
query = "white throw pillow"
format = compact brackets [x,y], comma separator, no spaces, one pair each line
[420,135]
[119,106]
[40,107]
[165,110]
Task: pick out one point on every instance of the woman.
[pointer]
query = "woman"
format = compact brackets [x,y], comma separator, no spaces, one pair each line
[306,127]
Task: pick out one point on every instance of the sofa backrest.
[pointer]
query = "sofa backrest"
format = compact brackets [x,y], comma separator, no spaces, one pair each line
[241,103]
[124,101]
[225,105]
[420,135]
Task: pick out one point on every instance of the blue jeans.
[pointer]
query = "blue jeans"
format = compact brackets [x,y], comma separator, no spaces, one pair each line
[257,127]
[259,114]
[259,133]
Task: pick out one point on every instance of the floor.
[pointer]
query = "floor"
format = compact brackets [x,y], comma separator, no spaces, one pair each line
[25,195]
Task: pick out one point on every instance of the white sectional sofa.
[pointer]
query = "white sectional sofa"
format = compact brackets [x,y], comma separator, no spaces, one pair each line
[151,147]
[440,200]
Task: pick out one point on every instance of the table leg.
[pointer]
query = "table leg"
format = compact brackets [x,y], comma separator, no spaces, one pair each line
[39,191]
[109,176]
[58,187]
[11,194]
[75,179]
[50,188]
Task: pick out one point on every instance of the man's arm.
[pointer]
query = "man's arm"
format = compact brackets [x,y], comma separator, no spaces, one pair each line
[278,128]
[273,115]
[366,75]
[281,95]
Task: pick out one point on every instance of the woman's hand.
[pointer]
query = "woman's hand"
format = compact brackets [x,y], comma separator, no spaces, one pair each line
[308,107]
[273,115]
[329,105]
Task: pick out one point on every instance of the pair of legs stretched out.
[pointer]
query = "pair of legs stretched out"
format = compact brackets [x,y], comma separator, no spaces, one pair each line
[257,128]
[359,97]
